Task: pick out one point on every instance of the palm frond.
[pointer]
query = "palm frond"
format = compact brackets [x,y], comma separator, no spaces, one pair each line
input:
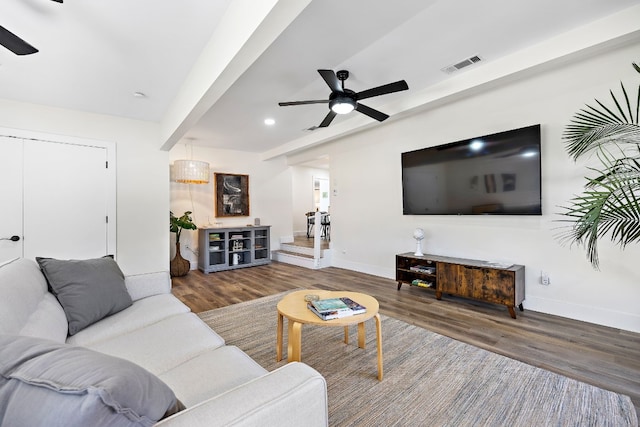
[610,207]
[610,204]
[584,138]
[593,127]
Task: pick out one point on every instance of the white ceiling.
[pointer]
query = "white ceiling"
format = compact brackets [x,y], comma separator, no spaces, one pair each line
[95,54]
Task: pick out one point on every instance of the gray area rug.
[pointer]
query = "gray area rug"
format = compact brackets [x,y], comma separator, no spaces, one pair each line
[429,379]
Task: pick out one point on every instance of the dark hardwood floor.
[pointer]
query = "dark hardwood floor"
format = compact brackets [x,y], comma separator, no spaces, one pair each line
[605,357]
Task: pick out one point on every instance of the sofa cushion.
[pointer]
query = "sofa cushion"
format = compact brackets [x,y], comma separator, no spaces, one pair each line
[212,373]
[148,284]
[47,321]
[142,313]
[88,290]
[163,345]
[22,289]
[47,383]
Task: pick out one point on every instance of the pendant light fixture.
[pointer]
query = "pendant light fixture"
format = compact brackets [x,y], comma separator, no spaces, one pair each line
[191,171]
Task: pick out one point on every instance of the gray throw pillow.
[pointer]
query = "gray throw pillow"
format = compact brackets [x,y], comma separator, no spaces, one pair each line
[88,290]
[46,383]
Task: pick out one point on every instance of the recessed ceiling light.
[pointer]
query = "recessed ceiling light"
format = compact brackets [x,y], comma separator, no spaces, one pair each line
[269,122]
[139,95]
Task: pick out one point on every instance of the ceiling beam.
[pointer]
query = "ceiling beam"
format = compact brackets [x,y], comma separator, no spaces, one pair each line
[246,30]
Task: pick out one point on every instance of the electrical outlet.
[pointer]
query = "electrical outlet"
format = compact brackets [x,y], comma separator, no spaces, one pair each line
[544,278]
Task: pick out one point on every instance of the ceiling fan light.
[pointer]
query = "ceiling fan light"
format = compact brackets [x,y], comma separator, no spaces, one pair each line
[342,105]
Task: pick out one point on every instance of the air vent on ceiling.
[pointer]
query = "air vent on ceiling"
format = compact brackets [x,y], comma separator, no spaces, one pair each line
[462,64]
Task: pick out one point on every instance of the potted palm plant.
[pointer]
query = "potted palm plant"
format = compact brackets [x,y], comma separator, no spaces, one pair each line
[180,266]
[610,203]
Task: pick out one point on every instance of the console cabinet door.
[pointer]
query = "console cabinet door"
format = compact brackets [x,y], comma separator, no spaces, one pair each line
[487,284]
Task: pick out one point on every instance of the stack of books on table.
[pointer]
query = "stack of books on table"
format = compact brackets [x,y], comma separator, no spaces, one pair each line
[335,308]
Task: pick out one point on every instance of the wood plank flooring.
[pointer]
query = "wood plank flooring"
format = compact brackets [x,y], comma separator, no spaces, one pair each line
[605,357]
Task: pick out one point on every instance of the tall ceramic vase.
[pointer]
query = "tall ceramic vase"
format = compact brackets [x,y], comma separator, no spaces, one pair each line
[179,266]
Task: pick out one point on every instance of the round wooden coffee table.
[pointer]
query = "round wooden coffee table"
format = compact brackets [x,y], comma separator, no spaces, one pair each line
[294,308]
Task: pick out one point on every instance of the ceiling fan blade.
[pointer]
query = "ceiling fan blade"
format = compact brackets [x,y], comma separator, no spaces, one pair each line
[374,114]
[316,101]
[332,81]
[14,43]
[58,1]
[383,90]
[328,119]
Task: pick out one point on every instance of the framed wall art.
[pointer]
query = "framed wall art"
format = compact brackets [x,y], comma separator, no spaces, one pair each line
[232,194]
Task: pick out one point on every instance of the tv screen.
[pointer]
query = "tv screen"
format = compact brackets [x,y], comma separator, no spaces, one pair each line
[497,174]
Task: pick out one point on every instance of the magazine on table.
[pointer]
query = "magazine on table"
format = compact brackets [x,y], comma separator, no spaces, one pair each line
[329,315]
[354,306]
[335,308]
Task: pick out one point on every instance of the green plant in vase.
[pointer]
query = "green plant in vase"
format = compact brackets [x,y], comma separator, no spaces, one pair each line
[610,204]
[180,266]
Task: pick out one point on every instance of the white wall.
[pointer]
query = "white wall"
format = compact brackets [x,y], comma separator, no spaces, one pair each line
[142,176]
[270,195]
[368,227]
[368,242]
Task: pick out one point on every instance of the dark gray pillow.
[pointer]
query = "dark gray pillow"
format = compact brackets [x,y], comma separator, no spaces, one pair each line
[46,383]
[88,290]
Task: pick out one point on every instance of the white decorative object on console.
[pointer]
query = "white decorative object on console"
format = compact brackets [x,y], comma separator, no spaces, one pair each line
[418,234]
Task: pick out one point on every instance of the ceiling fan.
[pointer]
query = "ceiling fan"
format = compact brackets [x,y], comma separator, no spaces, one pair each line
[14,43]
[343,101]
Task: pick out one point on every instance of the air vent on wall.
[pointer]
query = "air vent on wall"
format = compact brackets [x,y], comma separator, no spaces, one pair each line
[462,64]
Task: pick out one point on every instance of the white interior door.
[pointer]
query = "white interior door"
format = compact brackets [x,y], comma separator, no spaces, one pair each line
[11,196]
[66,198]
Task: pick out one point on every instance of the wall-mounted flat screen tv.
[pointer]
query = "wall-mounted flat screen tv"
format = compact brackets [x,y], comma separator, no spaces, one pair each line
[497,174]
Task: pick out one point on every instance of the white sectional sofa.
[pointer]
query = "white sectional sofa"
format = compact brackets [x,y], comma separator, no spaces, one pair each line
[218,384]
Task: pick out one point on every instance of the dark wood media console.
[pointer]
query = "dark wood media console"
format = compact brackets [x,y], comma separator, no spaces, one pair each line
[480,280]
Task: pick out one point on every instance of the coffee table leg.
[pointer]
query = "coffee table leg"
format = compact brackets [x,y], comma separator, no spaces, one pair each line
[361,335]
[294,341]
[279,338]
[379,339]
[346,335]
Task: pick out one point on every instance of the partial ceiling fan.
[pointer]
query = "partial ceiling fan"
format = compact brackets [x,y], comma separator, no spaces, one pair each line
[343,101]
[14,43]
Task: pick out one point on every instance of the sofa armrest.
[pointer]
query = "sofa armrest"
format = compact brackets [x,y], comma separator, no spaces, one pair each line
[292,395]
[145,285]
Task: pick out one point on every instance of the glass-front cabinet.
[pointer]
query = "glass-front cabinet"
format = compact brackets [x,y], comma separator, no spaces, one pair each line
[237,247]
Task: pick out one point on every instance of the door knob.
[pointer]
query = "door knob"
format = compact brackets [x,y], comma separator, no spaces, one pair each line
[12,238]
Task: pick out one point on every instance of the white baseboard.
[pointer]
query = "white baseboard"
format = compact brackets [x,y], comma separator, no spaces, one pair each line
[585,313]
[364,268]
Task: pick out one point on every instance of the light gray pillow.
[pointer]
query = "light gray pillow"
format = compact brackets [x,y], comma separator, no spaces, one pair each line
[88,290]
[45,383]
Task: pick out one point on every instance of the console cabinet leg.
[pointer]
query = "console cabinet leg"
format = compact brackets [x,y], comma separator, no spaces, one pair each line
[512,311]
[399,284]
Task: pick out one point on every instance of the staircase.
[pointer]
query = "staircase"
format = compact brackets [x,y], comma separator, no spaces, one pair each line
[310,250]
[302,256]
